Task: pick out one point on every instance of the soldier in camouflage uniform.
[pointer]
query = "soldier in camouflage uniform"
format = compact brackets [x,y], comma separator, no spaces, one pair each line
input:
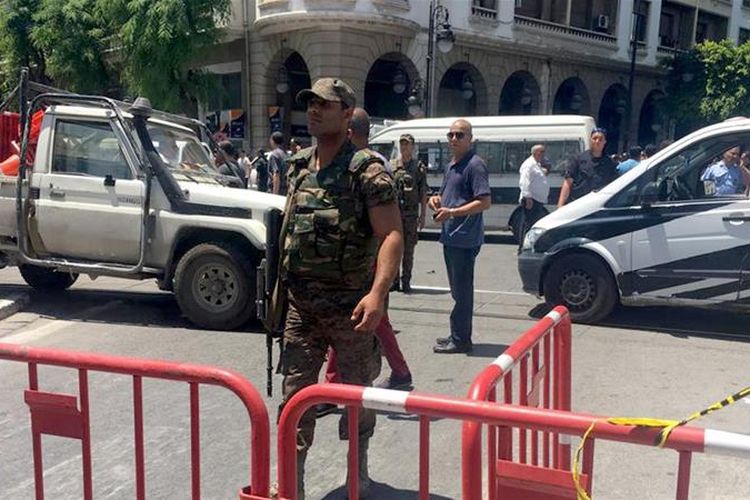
[410,176]
[343,216]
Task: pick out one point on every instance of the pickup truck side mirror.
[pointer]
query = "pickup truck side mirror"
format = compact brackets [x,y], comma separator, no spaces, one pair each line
[649,194]
[109,180]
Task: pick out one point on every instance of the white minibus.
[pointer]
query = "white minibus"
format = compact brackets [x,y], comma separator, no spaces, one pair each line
[504,142]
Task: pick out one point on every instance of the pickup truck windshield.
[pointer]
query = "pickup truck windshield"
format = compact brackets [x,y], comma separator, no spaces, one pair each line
[187,158]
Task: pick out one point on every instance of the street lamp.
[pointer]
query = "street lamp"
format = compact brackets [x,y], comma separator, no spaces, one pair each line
[631,80]
[467,88]
[439,31]
[525,96]
[282,80]
[415,100]
[399,82]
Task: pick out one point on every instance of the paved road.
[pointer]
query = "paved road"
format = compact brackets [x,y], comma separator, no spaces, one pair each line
[658,362]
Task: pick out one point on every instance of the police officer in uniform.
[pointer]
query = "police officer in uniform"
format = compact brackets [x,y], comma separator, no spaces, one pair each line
[343,216]
[410,176]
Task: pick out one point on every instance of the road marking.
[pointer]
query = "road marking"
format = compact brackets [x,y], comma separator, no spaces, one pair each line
[446,289]
[56,325]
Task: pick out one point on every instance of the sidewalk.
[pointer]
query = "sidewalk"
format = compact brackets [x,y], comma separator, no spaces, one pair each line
[14,293]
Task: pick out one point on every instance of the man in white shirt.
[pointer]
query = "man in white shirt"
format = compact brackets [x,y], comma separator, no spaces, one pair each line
[534,190]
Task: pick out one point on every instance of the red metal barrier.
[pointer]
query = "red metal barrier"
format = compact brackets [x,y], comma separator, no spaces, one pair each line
[59,415]
[686,440]
[546,384]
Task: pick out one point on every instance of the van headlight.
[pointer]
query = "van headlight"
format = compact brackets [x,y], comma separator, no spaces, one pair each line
[531,237]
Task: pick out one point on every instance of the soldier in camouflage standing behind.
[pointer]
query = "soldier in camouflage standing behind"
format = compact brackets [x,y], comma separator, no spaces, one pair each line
[410,176]
[342,216]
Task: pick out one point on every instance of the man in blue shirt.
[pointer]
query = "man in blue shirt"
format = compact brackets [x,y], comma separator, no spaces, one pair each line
[725,177]
[634,158]
[464,195]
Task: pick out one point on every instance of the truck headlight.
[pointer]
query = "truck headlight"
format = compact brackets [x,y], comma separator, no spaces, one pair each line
[531,237]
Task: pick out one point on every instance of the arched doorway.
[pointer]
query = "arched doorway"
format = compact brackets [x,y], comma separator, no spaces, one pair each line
[651,124]
[289,117]
[387,87]
[458,91]
[520,95]
[572,98]
[612,111]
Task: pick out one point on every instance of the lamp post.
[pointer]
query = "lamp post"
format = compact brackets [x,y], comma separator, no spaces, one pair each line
[631,78]
[440,33]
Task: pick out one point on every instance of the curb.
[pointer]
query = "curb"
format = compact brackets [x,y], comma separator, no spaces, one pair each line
[14,303]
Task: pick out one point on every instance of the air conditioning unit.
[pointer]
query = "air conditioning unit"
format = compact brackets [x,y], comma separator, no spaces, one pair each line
[602,22]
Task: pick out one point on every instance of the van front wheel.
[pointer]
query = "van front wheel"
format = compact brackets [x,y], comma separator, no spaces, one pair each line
[582,284]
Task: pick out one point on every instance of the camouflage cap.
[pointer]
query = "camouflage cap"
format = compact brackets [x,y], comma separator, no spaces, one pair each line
[407,138]
[329,89]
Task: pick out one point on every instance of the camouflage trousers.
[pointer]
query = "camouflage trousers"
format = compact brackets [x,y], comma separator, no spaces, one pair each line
[411,237]
[316,320]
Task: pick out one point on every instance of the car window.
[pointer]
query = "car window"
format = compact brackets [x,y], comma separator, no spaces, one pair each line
[715,167]
[88,148]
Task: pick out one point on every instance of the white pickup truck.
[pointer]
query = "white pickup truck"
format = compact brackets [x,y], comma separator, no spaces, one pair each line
[120,190]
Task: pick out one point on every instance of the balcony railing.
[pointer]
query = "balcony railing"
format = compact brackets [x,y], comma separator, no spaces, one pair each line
[668,51]
[565,30]
[484,12]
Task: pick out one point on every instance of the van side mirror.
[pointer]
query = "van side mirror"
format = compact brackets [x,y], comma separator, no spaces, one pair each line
[649,194]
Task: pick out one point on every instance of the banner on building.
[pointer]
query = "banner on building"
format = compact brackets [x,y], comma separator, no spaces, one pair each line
[228,123]
[276,118]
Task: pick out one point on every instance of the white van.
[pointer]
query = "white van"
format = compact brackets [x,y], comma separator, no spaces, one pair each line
[674,229]
[504,142]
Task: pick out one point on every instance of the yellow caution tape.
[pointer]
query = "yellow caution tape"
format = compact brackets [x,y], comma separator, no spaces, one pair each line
[667,426]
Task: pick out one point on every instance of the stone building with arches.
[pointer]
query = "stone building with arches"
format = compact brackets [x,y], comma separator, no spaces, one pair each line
[508,58]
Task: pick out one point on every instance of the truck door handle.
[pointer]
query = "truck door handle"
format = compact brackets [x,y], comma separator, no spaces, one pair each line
[56,193]
[736,218]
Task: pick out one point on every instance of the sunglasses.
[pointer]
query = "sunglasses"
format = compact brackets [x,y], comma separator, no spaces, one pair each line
[457,135]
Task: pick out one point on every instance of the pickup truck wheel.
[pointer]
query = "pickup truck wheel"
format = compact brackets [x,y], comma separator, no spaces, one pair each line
[46,279]
[214,286]
[582,284]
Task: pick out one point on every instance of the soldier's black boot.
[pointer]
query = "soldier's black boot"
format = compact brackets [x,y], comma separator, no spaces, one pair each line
[405,286]
[364,476]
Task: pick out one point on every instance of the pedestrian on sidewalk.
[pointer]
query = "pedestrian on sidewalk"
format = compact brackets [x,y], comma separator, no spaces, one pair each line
[464,195]
[410,176]
[342,217]
[532,181]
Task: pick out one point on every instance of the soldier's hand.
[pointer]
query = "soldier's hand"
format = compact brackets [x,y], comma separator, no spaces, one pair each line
[368,313]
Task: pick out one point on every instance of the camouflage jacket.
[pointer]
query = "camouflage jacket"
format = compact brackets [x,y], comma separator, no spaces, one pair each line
[329,239]
[411,185]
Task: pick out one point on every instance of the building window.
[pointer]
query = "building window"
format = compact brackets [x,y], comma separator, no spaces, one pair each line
[744,36]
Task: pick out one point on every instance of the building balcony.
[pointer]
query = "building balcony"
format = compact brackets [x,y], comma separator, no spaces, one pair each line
[484,13]
[569,32]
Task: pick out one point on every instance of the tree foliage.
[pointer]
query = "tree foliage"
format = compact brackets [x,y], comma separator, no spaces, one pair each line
[16,47]
[159,39]
[709,84]
[138,47]
[70,35]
